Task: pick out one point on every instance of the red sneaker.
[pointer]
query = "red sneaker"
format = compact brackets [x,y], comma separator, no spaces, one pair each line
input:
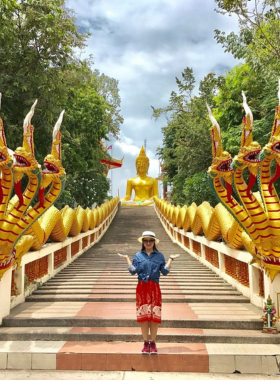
[146,348]
[153,348]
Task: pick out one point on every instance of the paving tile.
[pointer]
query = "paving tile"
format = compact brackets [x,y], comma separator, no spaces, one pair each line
[195,363]
[248,363]
[145,363]
[174,361]
[3,360]
[242,349]
[69,361]
[118,362]
[94,362]
[31,346]
[269,365]
[221,363]
[43,361]
[19,360]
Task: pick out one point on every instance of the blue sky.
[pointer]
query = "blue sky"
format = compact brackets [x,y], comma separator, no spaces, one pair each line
[145,45]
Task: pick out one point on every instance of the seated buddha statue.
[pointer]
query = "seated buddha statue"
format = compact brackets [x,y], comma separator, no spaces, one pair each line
[144,187]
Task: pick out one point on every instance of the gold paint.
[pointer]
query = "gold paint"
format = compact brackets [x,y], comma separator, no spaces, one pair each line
[145,187]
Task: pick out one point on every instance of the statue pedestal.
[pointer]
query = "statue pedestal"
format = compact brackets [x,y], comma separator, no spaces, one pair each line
[137,203]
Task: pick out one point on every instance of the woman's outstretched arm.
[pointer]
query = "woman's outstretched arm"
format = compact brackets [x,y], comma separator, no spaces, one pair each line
[126,258]
[171,258]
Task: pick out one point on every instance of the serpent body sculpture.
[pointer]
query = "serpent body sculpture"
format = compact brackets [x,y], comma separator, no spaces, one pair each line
[247,220]
[261,220]
[13,219]
[23,227]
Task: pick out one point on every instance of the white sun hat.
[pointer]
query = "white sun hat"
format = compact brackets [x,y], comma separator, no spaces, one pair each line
[148,234]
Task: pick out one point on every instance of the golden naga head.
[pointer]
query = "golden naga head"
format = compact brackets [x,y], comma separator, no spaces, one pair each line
[221,164]
[24,158]
[142,162]
[52,162]
[248,155]
[273,146]
[249,152]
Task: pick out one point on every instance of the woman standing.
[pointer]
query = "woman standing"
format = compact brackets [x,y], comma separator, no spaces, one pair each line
[148,264]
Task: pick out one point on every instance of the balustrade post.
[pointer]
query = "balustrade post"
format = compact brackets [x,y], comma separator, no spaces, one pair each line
[19,279]
[221,262]
[5,294]
[68,256]
[254,279]
[191,245]
[203,254]
[51,263]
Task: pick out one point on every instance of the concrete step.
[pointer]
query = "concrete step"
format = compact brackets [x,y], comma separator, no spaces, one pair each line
[93,290]
[122,298]
[117,286]
[220,324]
[133,334]
[126,356]
[120,314]
[133,280]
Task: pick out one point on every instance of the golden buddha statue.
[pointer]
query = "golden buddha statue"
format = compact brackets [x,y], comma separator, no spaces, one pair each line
[145,187]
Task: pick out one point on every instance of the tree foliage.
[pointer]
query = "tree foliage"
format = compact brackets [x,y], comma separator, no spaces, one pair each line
[258,40]
[187,144]
[186,149]
[39,47]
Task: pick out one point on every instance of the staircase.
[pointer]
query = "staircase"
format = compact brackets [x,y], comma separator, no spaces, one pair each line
[84,318]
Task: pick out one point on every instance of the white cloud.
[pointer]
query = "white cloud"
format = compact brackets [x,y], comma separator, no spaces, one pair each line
[145,45]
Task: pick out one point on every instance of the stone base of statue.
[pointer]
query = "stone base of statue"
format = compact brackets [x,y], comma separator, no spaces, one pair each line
[269,330]
[137,203]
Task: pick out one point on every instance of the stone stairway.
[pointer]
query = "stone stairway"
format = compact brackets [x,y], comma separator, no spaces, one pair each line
[84,317]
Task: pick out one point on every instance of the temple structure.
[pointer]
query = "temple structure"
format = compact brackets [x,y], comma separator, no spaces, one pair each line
[109,161]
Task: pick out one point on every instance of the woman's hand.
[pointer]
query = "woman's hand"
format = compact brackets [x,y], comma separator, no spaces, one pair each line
[174,256]
[171,258]
[124,256]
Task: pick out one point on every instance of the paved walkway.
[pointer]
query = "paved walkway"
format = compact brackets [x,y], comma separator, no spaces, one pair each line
[119,375]
[84,318]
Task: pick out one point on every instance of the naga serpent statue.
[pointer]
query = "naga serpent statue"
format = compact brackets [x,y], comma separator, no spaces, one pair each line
[250,220]
[258,217]
[16,214]
[12,211]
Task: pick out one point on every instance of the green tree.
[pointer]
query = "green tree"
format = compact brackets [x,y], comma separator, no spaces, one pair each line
[196,189]
[38,45]
[258,40]
[261,97]
[187,142]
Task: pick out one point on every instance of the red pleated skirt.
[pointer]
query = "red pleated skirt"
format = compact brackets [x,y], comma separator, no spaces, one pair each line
[148,302]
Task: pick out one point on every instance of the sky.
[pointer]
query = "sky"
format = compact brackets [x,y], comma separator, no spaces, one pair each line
[145,45]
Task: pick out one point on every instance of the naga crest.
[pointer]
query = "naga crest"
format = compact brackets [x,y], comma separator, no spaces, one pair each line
[54,170]
[250,149]
[24,158]
[248,155]
[221,164]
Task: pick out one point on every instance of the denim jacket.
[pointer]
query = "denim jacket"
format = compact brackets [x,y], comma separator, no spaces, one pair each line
[148,267]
